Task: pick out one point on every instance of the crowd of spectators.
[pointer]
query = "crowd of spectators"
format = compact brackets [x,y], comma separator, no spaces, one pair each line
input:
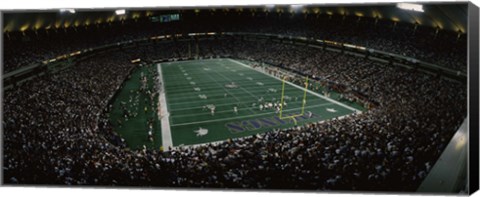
[55,130]
[444,48]
[55,118]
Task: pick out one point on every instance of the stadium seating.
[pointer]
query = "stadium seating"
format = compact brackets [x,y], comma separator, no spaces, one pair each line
[32,47]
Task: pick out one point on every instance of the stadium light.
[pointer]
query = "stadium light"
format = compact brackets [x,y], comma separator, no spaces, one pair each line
[71,11]
[296,7]
[270,6]
[410,6]
[120,12]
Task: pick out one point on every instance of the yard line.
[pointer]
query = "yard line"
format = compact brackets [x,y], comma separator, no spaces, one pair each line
[208,87]
[190,62]
[166,132]
[226,90]
[213,98]
[226,111]
[254,97]
[247,116]
[295,85]
[201,85]
[187,108]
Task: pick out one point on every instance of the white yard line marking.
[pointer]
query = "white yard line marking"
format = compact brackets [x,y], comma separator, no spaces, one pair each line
[253,96]
[226,90]
[164,114]
[295,85]
[205,87]
[247,116]
[227,104]
[229,111]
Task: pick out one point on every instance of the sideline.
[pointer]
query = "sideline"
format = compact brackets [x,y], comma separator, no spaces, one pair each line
[295,85]
[164,114]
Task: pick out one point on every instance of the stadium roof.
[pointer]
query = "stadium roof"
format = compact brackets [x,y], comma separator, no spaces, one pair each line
[448,16]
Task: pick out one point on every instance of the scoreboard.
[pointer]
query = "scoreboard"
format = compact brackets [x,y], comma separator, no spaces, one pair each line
[165,18]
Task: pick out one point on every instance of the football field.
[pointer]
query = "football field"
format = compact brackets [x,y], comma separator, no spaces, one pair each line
[217,99]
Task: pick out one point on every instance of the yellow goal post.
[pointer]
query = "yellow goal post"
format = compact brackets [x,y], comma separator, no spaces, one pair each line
[304,101]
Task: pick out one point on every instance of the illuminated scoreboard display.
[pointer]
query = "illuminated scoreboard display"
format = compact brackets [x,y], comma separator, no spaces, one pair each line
[165,18]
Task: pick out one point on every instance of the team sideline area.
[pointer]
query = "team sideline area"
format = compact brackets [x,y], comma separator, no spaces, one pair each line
[215,100]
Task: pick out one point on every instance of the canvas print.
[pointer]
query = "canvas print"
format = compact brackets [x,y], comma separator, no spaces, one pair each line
[355,97]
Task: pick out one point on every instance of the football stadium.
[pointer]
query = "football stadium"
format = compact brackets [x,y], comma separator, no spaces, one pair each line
[308,97]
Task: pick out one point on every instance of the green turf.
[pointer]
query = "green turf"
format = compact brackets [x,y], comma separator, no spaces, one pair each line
[188,115]
[317,87]
[135,129]
[186,107]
